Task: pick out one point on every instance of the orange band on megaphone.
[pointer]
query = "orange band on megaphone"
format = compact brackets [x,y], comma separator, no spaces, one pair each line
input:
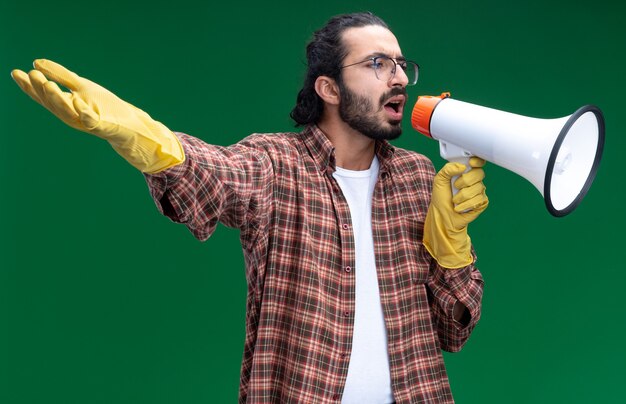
[423,111]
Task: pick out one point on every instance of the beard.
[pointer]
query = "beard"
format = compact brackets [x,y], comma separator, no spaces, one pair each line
[360,114]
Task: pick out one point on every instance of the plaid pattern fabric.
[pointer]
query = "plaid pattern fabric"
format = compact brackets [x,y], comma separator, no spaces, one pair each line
[298,246]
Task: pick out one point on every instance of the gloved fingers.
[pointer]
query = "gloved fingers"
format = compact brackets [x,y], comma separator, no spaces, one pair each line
[23,81]
[58,73]
[474,205]
[37,82]
[472,208]
[468,192]
[448,171]
[88,117]
[50,96]
[473,197]
[60,103]
[473,176]
[476,162]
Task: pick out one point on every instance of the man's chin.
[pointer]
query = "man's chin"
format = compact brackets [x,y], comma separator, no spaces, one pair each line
[394,131]
[389,134]
[394,135]
[389,130]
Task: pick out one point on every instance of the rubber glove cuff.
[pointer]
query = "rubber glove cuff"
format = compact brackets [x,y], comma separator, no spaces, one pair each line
[452,249]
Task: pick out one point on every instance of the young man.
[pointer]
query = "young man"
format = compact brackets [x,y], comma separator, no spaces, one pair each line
[359,267]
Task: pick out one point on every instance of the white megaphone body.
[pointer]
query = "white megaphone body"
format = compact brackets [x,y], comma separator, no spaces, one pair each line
[560,157]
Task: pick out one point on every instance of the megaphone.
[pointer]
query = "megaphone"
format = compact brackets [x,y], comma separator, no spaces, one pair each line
[560,156]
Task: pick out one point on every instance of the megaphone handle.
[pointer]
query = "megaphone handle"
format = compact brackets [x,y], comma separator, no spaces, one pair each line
[455,154]
[465,162]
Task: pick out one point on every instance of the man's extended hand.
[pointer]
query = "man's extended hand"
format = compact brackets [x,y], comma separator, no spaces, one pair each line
[445,228]
[145,143]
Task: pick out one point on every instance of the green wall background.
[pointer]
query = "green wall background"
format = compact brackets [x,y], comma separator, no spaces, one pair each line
[102,300]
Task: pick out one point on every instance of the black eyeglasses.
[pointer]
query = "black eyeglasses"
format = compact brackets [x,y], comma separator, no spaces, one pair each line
[385,68]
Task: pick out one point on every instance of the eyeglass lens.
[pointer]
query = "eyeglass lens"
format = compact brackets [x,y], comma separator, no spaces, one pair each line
[386,69]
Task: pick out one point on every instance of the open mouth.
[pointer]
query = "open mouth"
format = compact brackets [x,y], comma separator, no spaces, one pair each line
[395,106]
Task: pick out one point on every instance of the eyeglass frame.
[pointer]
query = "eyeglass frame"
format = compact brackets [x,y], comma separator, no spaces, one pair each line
[395,67]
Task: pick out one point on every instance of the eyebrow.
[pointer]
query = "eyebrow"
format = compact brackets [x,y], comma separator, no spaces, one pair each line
[376,54]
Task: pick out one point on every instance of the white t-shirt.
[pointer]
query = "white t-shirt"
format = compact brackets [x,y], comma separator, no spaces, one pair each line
[369,380]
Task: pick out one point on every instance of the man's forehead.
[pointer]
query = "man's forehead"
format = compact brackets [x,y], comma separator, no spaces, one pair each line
[371,39]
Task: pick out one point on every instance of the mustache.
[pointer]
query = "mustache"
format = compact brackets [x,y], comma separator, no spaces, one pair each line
[392,93]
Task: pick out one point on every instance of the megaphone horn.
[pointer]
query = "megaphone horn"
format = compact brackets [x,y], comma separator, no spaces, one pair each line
[560,156]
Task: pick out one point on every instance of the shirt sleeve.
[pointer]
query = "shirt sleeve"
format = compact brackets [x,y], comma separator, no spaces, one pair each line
[446,288]
[214,184]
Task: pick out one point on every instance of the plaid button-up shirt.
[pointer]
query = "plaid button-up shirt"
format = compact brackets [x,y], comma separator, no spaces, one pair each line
[298,245]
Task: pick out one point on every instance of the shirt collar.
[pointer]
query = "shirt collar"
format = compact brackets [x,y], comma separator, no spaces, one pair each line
[323,151]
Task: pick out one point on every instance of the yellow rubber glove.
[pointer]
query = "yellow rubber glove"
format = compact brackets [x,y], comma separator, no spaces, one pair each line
[145,143]
[445,228]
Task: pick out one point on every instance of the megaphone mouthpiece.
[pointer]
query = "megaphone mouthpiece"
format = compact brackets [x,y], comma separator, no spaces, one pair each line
[423,112]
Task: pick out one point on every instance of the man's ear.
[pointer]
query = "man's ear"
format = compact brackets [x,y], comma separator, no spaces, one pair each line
[327,89]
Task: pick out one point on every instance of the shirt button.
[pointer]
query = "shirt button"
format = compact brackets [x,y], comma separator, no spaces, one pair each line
[345,226]
[346,313]
[348,269]
[337,397]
